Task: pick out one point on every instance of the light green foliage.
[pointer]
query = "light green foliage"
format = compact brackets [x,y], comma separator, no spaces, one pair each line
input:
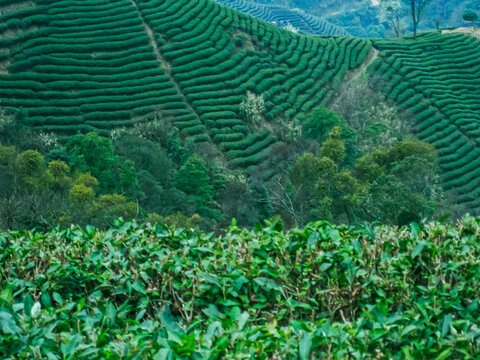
[334,147]
[320,188]
[154,292]
[32,171]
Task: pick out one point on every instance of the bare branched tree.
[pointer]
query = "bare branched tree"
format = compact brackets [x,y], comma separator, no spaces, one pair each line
[417,10]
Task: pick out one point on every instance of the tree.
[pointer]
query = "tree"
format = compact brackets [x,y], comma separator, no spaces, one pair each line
[319,122]
[393,13]
[417,9]
[193,179]
[253,109]
[334,147]
[402,183]
[471,18]
[95,154]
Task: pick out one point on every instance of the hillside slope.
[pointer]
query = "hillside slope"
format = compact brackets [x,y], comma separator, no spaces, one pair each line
[436,81]
[281,15]
[75,65]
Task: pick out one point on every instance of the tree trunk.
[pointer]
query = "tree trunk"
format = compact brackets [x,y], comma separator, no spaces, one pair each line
[414,18]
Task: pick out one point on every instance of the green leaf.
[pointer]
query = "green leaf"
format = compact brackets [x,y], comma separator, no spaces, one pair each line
[447,321]
[212,279]
[139,287]
[7,322]
[325,267]
[212,312]
[28,305]
[110,313]
[357,246]
[418,249]
[444,355]
[406,351]
[415,229]
[305,345]
[163,354]
[7,295]
[36,309]
[242,319]
[46,300]
[58,298]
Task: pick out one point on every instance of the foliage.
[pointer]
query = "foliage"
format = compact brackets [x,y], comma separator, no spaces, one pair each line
[441,111]
[137,292]
[253,108]
[470,17]
[402,183]
[193,179]
[193,65]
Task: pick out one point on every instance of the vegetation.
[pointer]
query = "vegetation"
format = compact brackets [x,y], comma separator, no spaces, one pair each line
[284,16]
[137,292]
[363,18]
[200,122]
[193,67]
[471,18]
[435,81]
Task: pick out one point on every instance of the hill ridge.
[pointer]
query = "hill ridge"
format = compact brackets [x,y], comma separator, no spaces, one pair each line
[93,67]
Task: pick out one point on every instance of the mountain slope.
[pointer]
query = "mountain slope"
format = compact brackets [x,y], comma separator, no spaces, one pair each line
[96,64]
[281,15]
[436,80]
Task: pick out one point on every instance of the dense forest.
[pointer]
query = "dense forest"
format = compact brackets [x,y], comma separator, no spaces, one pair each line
[150,173]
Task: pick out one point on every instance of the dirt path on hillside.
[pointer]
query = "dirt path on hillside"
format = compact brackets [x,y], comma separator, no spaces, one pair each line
[470,31]
[354,75]
[164,64]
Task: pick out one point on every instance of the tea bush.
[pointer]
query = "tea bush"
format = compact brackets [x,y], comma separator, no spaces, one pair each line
[436,80]
[325,291]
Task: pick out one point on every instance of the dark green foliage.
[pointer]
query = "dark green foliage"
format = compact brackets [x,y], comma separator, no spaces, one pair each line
[319,122]
[193,179]
[470,17]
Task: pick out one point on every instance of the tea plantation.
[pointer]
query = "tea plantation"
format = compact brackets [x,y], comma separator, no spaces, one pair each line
[153,292]
[436,80]
[79,65]
[283,16]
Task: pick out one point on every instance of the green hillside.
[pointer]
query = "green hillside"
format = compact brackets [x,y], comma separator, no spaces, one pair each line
[283,16]
[97,64]
[152,292]
[436,81]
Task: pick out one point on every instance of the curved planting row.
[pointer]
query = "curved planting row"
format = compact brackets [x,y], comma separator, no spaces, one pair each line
[283,16]
[90,66]
[100,64]
[436,80]
[218,54]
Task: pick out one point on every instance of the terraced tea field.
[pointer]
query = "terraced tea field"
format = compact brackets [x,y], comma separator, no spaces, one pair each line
[437,81]
[282,16]
[79,65]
